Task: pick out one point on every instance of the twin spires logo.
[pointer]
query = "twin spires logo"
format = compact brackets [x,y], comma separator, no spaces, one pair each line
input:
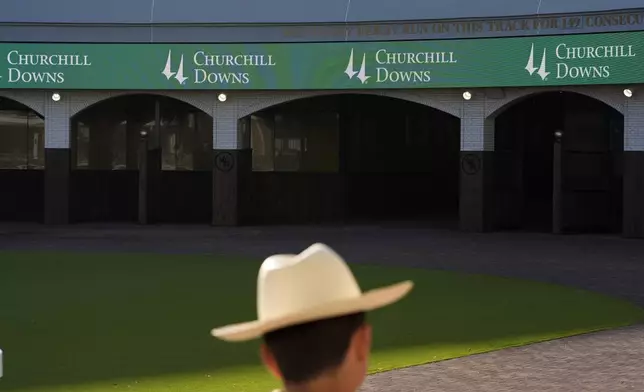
[362,76]
[167,71]
[541,71]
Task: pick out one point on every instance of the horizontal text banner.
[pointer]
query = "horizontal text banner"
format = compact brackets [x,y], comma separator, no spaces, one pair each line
[495,62]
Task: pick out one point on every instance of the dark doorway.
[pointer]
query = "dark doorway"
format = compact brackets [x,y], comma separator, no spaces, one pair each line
[584,164]
[354,158]
[110,139]
[22,160]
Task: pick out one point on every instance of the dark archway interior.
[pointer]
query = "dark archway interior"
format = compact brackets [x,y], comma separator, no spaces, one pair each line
[22,160]
[107,149]
[590,168]
[353,158]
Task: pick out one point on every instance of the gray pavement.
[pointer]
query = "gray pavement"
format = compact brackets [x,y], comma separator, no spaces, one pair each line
[605,361]
[609,361]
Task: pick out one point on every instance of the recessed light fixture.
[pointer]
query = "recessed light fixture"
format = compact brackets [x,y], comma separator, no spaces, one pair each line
[222,97]
[55,97]
[467,95]
[628,92]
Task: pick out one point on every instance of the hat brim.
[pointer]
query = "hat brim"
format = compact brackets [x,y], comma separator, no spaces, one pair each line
[369,300]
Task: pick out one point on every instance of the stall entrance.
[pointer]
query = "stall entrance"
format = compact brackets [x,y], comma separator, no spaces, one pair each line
[22,162]
[354,158]
[558,165]
[142,146]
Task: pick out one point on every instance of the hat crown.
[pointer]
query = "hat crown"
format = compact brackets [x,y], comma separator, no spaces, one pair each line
[290,284]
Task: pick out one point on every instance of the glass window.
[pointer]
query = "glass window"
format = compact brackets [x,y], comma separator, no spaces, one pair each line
[321,142]
[22,137]
[262,142]
[243,128]
[186,136]
[203,141]
[177,131]
[288,142]
[107,136]
[295,141]
[119,146]
[82,145]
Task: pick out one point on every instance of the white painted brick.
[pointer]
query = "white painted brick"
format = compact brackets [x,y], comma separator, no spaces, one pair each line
[448,101]
[634,124]
[80,100]
[477,115]
[35,100]
[610,95]
[57,121]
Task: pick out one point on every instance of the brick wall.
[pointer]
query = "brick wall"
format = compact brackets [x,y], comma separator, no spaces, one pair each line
[634,124]
[477,114]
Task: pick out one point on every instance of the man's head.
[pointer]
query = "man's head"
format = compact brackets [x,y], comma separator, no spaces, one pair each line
[316,284]
[337,347]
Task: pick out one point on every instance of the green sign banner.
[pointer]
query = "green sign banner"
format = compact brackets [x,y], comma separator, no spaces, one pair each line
[496,62]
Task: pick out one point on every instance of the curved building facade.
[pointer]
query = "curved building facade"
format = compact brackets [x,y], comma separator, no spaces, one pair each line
[503,118]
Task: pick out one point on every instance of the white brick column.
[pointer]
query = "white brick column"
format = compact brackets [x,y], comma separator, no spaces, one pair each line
[57,121]
[477,132]
[634,123]
[633,208]
[477,144]
[232,162]
[57,158]
[225,135]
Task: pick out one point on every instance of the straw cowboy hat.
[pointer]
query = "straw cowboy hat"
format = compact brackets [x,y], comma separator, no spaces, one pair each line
[316,284]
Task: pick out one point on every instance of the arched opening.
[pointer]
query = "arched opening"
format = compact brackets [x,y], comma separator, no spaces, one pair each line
[114,139]
[353,158]
[558,164]
[22,160]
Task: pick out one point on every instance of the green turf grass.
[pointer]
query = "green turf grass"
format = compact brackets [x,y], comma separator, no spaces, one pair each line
[110,322]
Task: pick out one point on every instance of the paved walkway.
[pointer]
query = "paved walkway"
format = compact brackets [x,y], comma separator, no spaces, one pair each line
[607,361]
[604,362]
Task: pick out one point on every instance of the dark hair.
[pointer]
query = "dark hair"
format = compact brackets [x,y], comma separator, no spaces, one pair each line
[305,351]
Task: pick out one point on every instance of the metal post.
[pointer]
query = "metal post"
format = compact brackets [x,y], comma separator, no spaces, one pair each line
[557,191]
[143,178]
